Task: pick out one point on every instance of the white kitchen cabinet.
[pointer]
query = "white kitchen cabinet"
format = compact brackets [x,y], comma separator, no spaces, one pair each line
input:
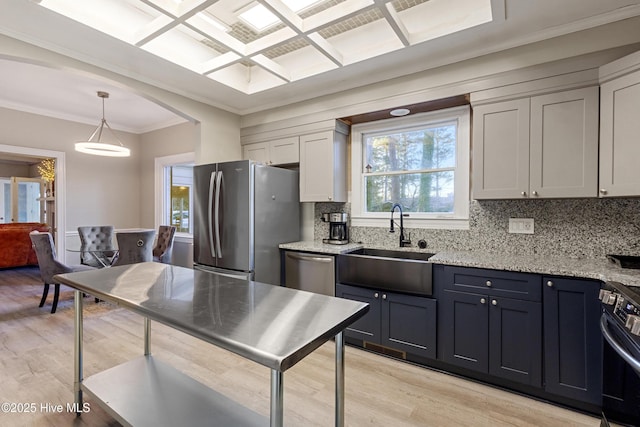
[323,167]
[542,146]
[620,127]
[277,152]
[501,149]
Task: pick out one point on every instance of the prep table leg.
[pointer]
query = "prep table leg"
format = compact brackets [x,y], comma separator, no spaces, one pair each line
[340,380]
[77,381]
[277,391]
[147,336]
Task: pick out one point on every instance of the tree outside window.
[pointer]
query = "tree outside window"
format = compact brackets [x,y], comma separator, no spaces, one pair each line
[413,167]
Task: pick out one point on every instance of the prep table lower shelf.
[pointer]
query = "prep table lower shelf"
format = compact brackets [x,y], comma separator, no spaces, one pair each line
[270,325]
[147,392]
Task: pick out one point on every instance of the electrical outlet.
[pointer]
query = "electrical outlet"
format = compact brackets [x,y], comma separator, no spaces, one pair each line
[521,225]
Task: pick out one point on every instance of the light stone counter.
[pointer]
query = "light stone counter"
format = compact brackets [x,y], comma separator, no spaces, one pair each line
[599,269]
[323,248]
[586,268]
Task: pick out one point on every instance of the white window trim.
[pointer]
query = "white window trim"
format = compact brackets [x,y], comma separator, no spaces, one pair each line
[456,220]
[161,196]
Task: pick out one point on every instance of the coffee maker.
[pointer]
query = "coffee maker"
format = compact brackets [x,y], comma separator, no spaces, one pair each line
[338,231]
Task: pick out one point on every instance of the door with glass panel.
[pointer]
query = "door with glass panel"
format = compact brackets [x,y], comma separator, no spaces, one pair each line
[21,200]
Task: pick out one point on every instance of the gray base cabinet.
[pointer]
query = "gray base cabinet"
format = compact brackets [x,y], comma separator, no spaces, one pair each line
[572,339]
[483,327]
[404,323]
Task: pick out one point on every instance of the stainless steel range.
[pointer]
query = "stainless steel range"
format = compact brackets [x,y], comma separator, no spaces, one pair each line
[620,325]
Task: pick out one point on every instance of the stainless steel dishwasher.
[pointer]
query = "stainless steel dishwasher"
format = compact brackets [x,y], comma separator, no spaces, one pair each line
[310,272]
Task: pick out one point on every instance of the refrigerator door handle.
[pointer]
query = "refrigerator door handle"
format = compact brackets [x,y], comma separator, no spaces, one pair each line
[210,210]
[217,214]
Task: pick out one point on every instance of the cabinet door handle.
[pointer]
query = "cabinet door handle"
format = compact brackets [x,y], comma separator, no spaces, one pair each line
[534,193]
[488,283]
[384,296]
[494,302]
[523,194]
[483,301]
[375,295]
[603,191]
[550,284]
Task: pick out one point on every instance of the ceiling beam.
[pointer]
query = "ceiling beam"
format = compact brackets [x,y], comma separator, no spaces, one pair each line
[326,48]
[272,67]
[220,62]
[153,29]
[282,11]
[270,41]
[343,11]
[393,19]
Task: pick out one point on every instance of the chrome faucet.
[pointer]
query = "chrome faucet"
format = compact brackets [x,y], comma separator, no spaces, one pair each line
[404,242]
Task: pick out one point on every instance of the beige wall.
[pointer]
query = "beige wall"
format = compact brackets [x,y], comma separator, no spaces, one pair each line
[117,191]
[7,170]
[219,135]
[100,190]
[176,139]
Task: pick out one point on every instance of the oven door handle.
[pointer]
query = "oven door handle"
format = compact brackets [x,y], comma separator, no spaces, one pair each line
[617,347]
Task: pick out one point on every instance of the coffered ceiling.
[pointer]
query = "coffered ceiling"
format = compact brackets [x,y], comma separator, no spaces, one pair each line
[207,50]
[253,46]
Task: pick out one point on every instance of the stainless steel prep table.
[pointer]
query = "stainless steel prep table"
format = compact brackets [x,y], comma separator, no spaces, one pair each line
[271,325]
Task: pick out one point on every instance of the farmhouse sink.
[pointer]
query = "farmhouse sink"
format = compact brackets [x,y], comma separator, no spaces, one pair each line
[398,271]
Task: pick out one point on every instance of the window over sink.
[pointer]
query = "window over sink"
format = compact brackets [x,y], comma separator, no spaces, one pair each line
[419,161]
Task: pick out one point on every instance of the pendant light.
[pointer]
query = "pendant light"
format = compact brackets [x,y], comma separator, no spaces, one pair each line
[99,148]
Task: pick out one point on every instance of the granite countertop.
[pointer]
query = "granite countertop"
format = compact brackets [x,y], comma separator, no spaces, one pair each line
[587,268]
[323,248]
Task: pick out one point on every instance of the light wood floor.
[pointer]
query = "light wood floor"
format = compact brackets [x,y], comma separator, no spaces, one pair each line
[36,366]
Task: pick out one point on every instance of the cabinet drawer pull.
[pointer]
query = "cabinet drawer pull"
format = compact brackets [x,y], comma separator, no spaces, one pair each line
[603,191]
[534,193]
[494,302]
[375,295]
[488,283]
[483,301]
[384,296]
[550,284]
[523,194]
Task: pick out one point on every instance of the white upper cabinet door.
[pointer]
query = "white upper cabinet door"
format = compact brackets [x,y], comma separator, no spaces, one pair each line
[564,144]
[285,151]
[323,167]
[258,152]
[620,136]
[278,152]
[501,150]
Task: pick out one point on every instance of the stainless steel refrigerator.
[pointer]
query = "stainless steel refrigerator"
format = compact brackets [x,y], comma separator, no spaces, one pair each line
[242,212]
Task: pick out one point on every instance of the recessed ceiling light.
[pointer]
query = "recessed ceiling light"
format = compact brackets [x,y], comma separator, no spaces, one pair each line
[398,112]
[259,17]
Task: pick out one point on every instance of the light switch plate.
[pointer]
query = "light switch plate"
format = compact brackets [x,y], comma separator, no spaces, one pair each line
[521,225]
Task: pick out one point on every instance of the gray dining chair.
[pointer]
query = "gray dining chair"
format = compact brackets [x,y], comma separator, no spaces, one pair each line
[50,266]
[163,250]
[134,247]
[96,237]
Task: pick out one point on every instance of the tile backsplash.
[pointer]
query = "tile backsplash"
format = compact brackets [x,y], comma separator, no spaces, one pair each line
[563,227]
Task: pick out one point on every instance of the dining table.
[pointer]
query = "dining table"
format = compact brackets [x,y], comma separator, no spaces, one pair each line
[104,257]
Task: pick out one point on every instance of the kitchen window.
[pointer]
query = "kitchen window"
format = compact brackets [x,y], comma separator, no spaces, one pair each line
[174,192]
[420,161]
